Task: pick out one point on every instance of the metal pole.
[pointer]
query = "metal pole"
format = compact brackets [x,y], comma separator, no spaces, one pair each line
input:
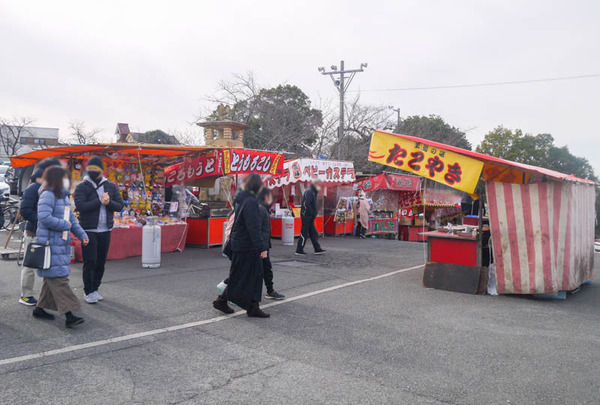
[342,91]
[341,85]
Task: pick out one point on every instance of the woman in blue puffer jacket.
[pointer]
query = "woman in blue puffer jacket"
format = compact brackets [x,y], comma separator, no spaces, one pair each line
[53,228]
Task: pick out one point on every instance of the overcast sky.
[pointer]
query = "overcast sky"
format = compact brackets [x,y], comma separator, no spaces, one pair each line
[151,63]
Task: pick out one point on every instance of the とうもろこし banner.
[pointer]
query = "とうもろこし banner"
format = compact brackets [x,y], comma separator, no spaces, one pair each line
[238,161]
[432,162]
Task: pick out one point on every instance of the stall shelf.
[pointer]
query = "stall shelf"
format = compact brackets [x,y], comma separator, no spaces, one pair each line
[205,232]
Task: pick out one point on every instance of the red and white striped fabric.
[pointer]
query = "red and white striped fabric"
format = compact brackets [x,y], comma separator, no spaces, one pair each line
[542,235]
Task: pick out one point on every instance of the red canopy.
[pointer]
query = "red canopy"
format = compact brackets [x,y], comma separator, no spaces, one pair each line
[496,169]
[389,181]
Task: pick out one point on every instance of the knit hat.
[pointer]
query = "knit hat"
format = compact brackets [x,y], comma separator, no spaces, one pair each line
[95,163]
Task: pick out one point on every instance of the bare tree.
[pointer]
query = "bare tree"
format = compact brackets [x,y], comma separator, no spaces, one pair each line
[328,132]
[239,91]
[82,135]
[189,137]
[11,132]
[360,121]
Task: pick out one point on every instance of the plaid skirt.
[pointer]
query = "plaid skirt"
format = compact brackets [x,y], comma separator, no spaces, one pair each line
[57,295]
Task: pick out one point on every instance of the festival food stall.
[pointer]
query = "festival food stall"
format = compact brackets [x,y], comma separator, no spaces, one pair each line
[145,174]
[217,188]
[428,208]
[540,238]
[385,191]
[138,172]
[297,175]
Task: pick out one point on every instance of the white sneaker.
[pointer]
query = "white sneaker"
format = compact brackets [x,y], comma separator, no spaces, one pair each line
[97,295]
[221,286]
[90,299]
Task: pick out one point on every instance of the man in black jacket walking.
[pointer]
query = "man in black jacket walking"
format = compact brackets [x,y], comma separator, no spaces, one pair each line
[308,213]
[96,200]
[28,210]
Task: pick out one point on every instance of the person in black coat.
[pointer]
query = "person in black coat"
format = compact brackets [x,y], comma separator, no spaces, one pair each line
[265,200]
[308,213]
[244,284]
[96,200]
[28,211]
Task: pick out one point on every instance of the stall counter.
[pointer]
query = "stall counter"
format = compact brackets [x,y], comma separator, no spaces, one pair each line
[453,249]
[276,226]
[331,227]
[205,232]
[127,242]
[412,233]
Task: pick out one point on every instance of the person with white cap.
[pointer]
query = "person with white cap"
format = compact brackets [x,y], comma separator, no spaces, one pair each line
[362,209]
[308,213]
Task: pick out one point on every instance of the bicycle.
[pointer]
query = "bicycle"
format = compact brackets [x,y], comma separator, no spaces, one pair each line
[9,211]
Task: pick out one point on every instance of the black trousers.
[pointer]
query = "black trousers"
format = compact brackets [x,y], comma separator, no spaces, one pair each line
[360,230]
[309,230]
[268,273]
[94,258]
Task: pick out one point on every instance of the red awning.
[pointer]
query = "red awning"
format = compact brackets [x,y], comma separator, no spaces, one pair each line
[33,157]
[496,169]
[389,181]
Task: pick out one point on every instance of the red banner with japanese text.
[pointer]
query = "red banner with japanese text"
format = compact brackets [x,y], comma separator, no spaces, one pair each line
[444,166]
[385,181]
[207,164]
[239,161]
[305,170]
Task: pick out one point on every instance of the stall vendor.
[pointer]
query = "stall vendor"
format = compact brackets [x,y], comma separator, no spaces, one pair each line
[362,209]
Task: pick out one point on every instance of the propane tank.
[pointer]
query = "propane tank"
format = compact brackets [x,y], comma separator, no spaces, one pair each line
[287,231]
[151,244]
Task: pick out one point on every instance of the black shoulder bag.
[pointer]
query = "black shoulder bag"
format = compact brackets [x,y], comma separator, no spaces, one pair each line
[37,256]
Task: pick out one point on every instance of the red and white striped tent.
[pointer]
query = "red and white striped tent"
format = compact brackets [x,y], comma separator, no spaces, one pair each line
[543,235]
[542,224]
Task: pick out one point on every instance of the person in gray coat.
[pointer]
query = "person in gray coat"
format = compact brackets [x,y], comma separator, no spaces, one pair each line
[54,229]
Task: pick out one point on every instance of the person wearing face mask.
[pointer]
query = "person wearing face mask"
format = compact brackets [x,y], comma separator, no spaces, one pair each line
[308,213]
[96,200]
[265,199]
[55,222]
[28,210]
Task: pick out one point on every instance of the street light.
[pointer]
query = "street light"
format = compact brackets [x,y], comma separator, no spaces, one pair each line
[341,80]
[398,112]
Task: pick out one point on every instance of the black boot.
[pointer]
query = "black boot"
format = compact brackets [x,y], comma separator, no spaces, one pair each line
[221,304]
[72,320]
[255,312]
[39,313]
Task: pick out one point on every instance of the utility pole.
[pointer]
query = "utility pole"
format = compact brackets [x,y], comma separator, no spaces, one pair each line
[398,112]
[339,76]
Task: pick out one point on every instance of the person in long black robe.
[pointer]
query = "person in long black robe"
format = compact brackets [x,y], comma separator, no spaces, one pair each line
[244,286]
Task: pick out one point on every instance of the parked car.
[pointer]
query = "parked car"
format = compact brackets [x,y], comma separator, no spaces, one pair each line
[4,187]
[597,246]
[12,180]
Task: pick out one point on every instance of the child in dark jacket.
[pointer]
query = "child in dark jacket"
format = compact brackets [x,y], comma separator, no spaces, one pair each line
[265,199]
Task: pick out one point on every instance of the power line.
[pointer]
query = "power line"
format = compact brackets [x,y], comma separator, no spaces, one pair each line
[458,86]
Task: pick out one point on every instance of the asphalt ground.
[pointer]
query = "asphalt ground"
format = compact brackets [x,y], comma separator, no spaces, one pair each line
[345,337]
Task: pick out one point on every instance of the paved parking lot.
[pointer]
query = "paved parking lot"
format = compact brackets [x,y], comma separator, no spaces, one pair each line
[356,330]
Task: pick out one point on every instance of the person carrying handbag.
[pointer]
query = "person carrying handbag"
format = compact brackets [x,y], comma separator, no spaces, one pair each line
[54,229]
[244,284]
[28,211]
